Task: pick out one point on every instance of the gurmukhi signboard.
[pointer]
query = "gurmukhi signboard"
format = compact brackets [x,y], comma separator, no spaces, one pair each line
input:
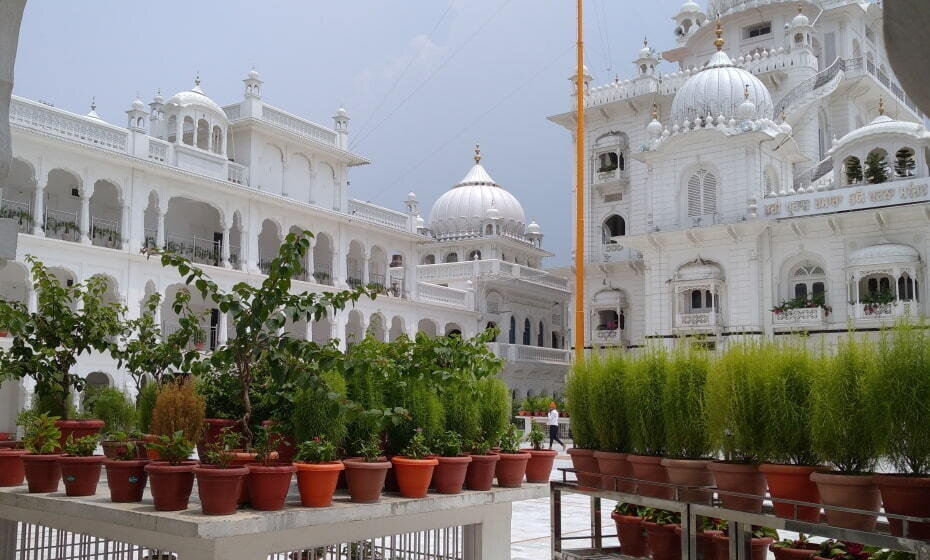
[848,198]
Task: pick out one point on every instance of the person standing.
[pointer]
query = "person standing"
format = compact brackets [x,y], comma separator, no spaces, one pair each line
[553,422]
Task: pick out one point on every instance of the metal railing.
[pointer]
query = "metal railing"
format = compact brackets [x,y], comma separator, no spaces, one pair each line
[105,233]
[809,85]
[61,224]
[804,179]
[21,212]
[151,238]
[202,251]
[208,339]
[323,273]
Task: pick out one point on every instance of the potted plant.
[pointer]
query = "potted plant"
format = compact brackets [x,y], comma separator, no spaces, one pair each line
[844,550]
[512,465]
[610,429]
[219,483]
[12,470]
[660,526]
[117,444]
[787,443]
[794,549]
[222,405]
[172,478]
[685,420]
[630,529]
[449,475]
[759,541]
[579,392]
[643,387]
[480,473]
[539,466]
[901,395]
[414,467]
[735,395]
[80,468]
[178,407]
[126,476]
[317,472]
[365,476]
[268,480]
[41,439]
[844,432]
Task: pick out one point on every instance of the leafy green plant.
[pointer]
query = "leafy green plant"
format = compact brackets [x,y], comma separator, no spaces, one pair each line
[316,450]
[417,448]
[660,516]
[844,427]
[220,392]
[735,398]
[608,399]
[787,374]
[40,434]
[127,452]
[81,447]
[644,384]
[113,407]
[448,444]
[264,445]
[173,448]
[842,550]
[800,542]
[759,532]
[479,447]
[628,509]
[683,408]
[220,452]
[370,449]
[579,392]
[510,440]
[145,405]
[494,405]
[537,436]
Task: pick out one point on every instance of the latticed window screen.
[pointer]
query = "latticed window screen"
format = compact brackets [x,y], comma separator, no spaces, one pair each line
[702,194]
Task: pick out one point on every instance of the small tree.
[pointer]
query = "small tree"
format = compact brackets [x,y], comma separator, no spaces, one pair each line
[853,170]
[904,163]
[69,321]
[876,167]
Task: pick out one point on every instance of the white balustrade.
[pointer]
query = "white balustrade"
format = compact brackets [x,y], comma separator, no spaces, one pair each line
[885,310]
[158,150]
[525,353]
[297,125]
[238,174]
[37,116]
[606,336]
[378,214]
[434,293]
[705,320]
[800,317]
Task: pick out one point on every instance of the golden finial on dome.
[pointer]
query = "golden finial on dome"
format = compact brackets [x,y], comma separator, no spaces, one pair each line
[719,42]
[800,8]
[477,154]
[881,105]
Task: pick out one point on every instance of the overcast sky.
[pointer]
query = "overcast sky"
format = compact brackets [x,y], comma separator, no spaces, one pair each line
[423,80]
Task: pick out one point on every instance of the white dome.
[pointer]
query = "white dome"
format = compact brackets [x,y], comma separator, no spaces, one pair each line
[883,124]
[195,97]
[699,269]
[884,253]
[800,20]
[689,7]
[138,105]
[474,200]
[534,228]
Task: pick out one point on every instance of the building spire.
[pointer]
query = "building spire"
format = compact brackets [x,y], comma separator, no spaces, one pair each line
[197,78]
[719,42]
[477,154]
[93,103]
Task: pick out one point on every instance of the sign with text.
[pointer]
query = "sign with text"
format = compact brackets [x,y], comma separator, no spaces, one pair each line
[848,198]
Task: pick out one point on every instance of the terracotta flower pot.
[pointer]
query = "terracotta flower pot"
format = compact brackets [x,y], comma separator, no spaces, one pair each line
[511,469]
[906,495]
[758,547]
[78,428]
[242,458]
[113,449]
[852,491]
[586,466]
[151,454]
[690,472]
[316,482]
[632,535]
[480,473]
[615,464]
[42,472]
[792,482]
[285,444]
[268,485]
[12,472]
[413,475]
[705,542]
[449,475]
[739,477]
[539,467]
[171,484]
[126,480]
[213,429]
[80,474]
[802,552]
[219,488]
[663,542]
[366,480]
[649,468]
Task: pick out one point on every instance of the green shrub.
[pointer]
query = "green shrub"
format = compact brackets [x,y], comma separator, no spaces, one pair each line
[145,403]
[221,392]
[317,415]
[735,398]
[425,414]
[579,400]
[843,422]
[463,411]
[643,387]
[684,413]
[113,407]
[609,401]
[788,375]
[494,406]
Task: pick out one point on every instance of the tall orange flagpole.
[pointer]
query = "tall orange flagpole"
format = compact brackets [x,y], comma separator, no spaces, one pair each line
[579,192]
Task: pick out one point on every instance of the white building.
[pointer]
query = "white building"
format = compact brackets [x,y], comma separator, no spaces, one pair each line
[223,185]
[719,192]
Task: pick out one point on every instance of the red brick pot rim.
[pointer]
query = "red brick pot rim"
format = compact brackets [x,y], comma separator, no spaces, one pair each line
[216,471]
[82,458]
[401,460]
[645,459]
[129,463]
[41,456]
[456,459]
[166,467]
[519,455]
[543,452]
[12,452]
[325,466]
[489,458]
[269,469]
[362,464]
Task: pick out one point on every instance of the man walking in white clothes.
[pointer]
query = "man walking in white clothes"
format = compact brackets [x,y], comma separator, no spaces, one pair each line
[553,422]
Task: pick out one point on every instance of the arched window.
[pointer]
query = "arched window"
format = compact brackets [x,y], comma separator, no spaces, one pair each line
[876,166]
[474,255]
[607,162]
[429,259]
[187,132]
[696,297]
[702,194]
[539,335]
[512,334]
[452,257]
[203,134]
[172,132]
[906,287]
[809,281]
[904,163]
[613,226]
[771,180]
[526,332]
[852,169]
[217,140]
[489,230]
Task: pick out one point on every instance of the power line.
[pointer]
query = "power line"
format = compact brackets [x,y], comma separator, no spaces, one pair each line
[434,72]
[429,37]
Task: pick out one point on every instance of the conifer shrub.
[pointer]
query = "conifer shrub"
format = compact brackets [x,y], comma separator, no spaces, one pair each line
[788,376]
[608,374]
[317,414]
[178,408]
[683,405]
[645,380]
[579,401]
[735,398]
[494,406]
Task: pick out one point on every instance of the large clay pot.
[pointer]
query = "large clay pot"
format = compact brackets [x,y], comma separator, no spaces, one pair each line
[615,464]
[171,484]
[213,429]
[268,485]
[690,472]
[539,467]
[241,458]
[42,472]
[705,542]
[285,444]
[316,482]
[511,469]
[742,478]
[366,480]
[851,491]
[413,475]
[151,454]
[80,474]
[792,482]
[449,476]
[664,543]
[801,552]
[78,429]
[219,488]
[906,495]
[480,473]
[632,535]
[12,472]
[586,466]
[649,468]
[126,479]
[114,449]
[758,547]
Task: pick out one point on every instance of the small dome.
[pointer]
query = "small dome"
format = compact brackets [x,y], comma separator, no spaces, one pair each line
[421,223]
[411,196]
[493,213]
[800,20]
[647,51]
[884,253]
[747,109]
[533,228]
[195,97]
[158,98]
[689,7]
[699,269]
[93,110]
[654,128]
[881,125]
[253,74]
[138,105]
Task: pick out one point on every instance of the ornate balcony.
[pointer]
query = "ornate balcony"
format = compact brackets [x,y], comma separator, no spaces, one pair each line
[799,318]
[884,310]
[607,337]
[702,321]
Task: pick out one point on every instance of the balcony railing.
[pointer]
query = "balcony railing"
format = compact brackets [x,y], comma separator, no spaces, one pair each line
[462,270]
[323,273]
[698,321]
[860,66]
[20,212]
[235,260]
[434,293]
[208,337]
[885,310]
[606,336]
[202,251]
[61,224]
[525,353]
[158,150]
[105,233]
[151,236]
[238,174]
[37,116]
[265,267]
[297,125]
[379,215]
[800,318]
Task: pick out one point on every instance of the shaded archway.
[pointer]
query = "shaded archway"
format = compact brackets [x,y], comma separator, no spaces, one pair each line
[427,327]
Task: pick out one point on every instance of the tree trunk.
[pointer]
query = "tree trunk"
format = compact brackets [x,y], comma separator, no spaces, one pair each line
[245,380]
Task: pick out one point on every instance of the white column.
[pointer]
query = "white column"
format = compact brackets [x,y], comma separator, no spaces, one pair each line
[222,329]
[284,179]
[224,248]
[38,208]
[32,300]
[366,260]
[124,226]
[490,538]
[308,330]
[85,218]
[160,235]
[251,242]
